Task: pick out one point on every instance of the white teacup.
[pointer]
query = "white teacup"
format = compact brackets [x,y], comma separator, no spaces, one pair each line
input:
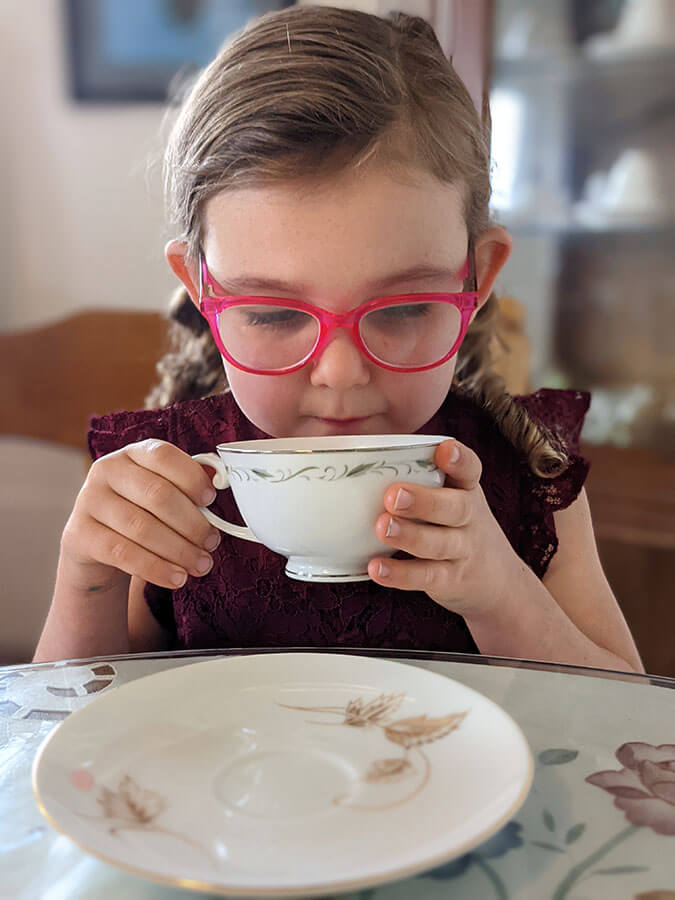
[315,500]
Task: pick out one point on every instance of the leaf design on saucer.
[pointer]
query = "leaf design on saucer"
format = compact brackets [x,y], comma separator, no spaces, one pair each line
[130,803]
[358,713]
[375,712]
[421,729]
[133,808]
[410,734]
[389,769]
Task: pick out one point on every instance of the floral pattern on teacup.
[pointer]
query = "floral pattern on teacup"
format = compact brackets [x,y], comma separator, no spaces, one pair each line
[331,473]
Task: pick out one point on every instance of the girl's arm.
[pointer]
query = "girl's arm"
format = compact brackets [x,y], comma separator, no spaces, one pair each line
[136,519]
[145,632]
[462,560]
[109,621]
[86,617]
[571,616]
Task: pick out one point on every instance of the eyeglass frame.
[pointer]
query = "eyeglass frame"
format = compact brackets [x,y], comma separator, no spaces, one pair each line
[212,305]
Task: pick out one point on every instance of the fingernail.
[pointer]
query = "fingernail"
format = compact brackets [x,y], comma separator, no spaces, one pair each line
[204,564]
[393,528]
[383,570]
[454,456]
[208,497]
[178,577]
[404,499]
[212,540]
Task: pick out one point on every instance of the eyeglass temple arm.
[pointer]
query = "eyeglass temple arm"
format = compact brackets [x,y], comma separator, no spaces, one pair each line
[200,260]
[471,258]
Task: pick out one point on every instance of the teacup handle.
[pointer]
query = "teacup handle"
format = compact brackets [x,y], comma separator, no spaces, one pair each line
[220,482]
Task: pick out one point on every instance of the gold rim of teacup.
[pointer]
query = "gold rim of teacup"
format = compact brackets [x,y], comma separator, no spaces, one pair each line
[231,448]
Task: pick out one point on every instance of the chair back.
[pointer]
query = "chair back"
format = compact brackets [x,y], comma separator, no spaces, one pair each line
[53,378]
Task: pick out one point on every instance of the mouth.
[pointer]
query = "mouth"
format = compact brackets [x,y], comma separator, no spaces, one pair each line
[342,421]
[346,425]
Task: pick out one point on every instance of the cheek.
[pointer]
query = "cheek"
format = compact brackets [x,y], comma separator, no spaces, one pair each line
[270,402]
[415,398]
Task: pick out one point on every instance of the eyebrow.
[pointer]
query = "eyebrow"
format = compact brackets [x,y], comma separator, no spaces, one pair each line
[254,284]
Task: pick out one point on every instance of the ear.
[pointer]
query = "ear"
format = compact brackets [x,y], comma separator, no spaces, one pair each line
[493,248]
[183,267]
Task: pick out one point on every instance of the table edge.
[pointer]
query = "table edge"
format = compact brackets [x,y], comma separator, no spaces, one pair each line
[389,653]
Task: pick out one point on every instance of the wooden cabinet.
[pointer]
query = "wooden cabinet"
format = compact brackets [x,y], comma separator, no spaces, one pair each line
[632,498]
[595,270]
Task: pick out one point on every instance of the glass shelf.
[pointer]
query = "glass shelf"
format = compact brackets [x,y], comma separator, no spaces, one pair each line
[529,221]
[575,127]
[579,66]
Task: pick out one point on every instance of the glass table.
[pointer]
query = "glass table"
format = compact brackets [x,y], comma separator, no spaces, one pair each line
[599,820]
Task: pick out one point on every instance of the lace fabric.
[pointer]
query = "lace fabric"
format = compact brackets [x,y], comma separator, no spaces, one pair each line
[247,600]
[562,413]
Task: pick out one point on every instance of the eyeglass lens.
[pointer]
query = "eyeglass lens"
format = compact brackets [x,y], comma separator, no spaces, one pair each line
[276,337]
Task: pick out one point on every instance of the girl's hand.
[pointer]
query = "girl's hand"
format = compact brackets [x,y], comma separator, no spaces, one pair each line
[463,559]
[137,515]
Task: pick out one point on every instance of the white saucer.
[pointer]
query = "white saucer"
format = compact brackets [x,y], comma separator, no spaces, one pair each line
[290,774]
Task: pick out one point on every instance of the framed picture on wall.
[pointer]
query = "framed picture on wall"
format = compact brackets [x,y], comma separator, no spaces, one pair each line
[131,50]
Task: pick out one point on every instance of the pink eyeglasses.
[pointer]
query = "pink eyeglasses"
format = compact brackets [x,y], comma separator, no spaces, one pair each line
[273,336]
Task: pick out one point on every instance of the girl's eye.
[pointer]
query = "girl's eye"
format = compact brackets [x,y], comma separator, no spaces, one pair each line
[400,312]
[287,319]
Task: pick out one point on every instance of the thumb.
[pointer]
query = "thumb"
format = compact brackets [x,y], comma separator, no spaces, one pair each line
[459,463]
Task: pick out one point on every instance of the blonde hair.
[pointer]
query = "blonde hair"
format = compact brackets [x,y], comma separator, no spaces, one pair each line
[310,91]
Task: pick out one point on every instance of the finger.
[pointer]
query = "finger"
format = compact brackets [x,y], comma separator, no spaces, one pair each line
[174,465]
[113,549]
[459,463]
[420,539]
[437,579]
[162,498]
[440,506]
[138,526]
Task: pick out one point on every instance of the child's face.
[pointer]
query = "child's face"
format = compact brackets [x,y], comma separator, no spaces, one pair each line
[332,244]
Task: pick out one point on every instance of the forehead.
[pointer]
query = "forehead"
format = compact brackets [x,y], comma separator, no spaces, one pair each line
[366,222]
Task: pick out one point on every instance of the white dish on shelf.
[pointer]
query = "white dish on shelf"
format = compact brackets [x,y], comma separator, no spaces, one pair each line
[602,218]
[533,32]
[632,192]
[644,25]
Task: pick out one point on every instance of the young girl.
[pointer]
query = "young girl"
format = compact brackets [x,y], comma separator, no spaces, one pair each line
[325,159]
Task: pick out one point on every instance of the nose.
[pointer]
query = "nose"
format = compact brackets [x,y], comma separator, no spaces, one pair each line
[341,364]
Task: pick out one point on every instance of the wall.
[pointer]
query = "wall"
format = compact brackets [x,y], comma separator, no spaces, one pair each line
[81,226]
[82,218]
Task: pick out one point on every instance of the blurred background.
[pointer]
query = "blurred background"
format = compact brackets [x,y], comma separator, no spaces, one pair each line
[582,99]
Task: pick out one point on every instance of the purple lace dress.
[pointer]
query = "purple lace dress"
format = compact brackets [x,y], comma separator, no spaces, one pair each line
[247,601]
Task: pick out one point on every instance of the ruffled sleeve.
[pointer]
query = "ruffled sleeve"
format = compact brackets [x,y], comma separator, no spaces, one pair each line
[115,430]
[193,425]
[562,414]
